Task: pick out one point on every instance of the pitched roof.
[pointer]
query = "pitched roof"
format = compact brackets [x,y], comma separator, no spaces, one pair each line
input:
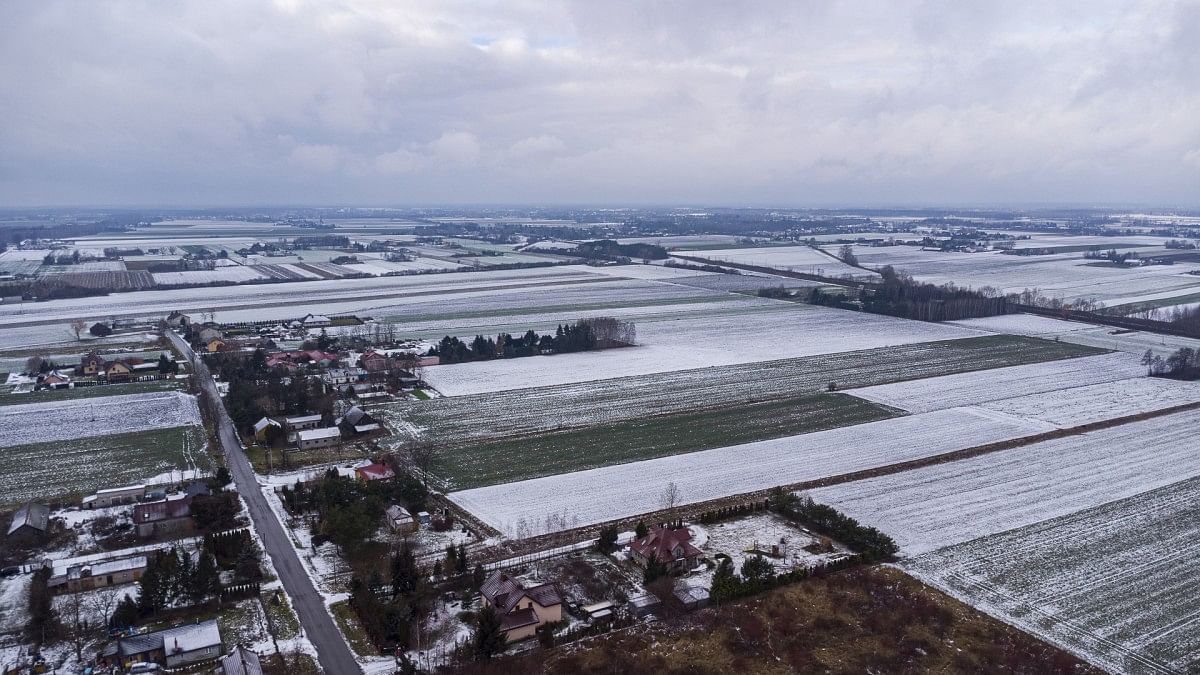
[179,639]
[241,661]
[319,434]
[505,592]
[661,544]
[355,416]
[36,516]
[166,509]
[375,471]
[264,423]
[518,619]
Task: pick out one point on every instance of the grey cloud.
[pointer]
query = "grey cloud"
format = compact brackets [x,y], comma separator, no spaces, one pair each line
[380,102]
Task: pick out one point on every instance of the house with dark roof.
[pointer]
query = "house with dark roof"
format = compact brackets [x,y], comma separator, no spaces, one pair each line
[522,609]
[92,364]
[173,647]
[164,517]
[29,522]
[240,661]
[670,546]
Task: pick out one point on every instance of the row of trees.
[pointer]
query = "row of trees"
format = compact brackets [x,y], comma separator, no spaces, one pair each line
[758,575]
[583,335]
[1182,364]
[898,294]
[868,541]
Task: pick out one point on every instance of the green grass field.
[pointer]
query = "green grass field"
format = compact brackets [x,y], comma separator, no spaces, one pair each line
[48,395]
[643,438]
[61,469]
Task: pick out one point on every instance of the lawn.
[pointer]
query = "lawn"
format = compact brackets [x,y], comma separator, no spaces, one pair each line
[91,392]
[504,461]
[348,623]
[59,469]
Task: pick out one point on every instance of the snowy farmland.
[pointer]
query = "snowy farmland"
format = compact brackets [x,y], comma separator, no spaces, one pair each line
[935,393]
[946,504]
[1115,583]
[98,416]
[464,419]
[1065,275]
[775,330]
[631,489]
[792,258]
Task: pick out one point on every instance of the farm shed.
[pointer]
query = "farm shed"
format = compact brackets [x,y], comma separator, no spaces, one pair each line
[310,439]
[30,520]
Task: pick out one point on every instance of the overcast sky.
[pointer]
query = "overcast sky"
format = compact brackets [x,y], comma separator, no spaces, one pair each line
[380,102]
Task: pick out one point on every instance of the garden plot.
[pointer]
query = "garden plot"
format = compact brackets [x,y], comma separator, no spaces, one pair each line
[627,490]
[935,393]
[1115,583]
[777,330]
[793,258]
[84,418]
[935,506]
[79,466]
[465,419]
[744,538]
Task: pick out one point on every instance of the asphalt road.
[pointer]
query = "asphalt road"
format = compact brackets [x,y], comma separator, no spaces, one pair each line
[333,653]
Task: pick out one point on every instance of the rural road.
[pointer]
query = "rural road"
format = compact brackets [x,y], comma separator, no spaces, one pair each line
[333,653]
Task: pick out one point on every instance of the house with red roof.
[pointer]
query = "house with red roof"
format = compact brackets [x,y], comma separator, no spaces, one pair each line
[671,546]
[375,471]
[522,609]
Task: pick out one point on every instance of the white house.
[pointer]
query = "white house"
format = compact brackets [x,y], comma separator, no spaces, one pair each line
[310,439]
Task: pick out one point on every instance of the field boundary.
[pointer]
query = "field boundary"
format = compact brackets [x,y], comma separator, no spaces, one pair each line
[551,540]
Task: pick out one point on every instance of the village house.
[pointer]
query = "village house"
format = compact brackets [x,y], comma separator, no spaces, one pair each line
[166,517]
[209,333]
[240,661]
[357,421]
[316,321]
[311,439]
[93,575]
[214,345]
[172,648]
[670,546]
[261,428]
[92,364]
[521,609]
[114,497]
[400,520]
[178,320]
[55,380]
[371,472]
[375,363]
[302,422]
[29,522]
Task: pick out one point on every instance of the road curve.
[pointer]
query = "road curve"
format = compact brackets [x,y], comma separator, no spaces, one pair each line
[333,653]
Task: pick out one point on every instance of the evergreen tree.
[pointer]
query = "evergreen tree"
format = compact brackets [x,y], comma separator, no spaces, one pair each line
[460,561]
[654,570]
[404,571]
[125,614]
[641,530]
[451,563]
[488,639]
[725,584]
[205,580]
[151,589]
[607,542]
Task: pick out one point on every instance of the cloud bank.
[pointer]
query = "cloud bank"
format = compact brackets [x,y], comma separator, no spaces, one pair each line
[411,102]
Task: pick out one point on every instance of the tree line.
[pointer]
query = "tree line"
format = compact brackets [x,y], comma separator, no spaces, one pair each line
[583,335]
[1182,364]
[898,294]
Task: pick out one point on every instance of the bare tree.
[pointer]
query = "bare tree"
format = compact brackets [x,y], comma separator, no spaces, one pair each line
[33,365]
[103,601]
[77,327]
[670,498]
[422,455]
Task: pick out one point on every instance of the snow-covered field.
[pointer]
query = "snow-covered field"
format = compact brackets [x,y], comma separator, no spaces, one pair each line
[1065,275]
[775,331]
[235,274]
[1095,402]
[1115,583]
[793,258]
[1024,324]
[931,507]
[460,419]
[98,416]
[597,495]
[935,393]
